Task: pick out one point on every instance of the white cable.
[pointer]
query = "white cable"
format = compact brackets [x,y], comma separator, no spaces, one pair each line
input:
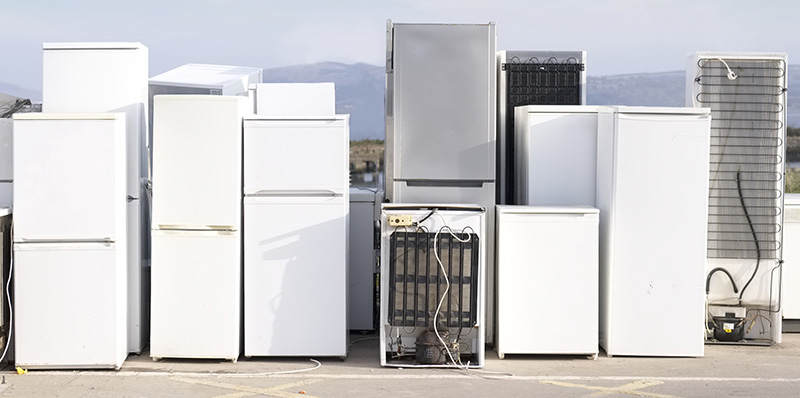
[283,372]
[731,74]
[10,310]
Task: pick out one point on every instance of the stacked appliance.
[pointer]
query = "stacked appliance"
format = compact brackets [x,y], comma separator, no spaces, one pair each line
[6,162]
[296,234]
[546,268]
[791,255]
[549,138]
[652,192]
[111,77]
[70,262]
[747,96]
[433,286]
[531,78]
[197,224]
[363,267]
[440,120]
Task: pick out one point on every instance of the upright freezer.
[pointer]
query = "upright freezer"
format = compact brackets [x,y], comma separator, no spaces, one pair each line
[652,192]
[542,78]
[441,91]
[111,77]
[556,155]
[197,226]
[296,203]
[547,280]
[70,274]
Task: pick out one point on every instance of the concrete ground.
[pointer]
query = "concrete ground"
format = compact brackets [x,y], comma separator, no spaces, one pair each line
[724,371]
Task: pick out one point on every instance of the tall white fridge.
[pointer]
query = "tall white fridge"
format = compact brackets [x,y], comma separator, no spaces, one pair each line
[70,278]
[652,192]
[197,213]
[296,202]
[111,77]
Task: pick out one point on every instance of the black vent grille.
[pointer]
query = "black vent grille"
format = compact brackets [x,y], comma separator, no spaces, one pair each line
[417,284]
[747,138]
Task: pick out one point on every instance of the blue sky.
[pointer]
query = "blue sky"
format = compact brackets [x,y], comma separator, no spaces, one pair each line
[620,36]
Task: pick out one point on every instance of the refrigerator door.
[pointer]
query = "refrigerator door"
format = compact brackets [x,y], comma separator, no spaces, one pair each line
[791,254]
[101,77]
[275,150]
[69,305]
[197,161]
[196,294]
[6,162]
[295,276]
[442,105]
[69,172]
[547,267]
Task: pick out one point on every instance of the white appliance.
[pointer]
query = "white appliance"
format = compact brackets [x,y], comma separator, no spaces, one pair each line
[70,287]
[201,79]
[296,203]
[441,90]
[550,138]
[6,162]
[547,280]
[197,217]
[746,93]
[433,285]
[110,77]
[5,269]
[548,78]
[791,256]
[295,99]
[652,192]
[362,268]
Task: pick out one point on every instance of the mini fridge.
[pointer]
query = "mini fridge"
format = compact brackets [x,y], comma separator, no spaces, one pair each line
[547,280]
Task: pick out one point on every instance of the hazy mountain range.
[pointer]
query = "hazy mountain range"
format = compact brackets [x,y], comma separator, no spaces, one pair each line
[360,91]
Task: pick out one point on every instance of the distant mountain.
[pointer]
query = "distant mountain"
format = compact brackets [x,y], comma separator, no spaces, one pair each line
[17,91]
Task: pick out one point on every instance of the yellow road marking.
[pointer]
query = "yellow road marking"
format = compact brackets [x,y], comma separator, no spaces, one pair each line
[244,391]
[627,389]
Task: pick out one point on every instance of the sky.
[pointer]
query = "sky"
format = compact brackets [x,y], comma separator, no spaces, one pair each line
[619,36]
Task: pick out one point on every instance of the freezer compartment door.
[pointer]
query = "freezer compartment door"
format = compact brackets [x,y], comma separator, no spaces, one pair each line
[195,294]
[296,155]
[295,276]
[69,178]
[69,306]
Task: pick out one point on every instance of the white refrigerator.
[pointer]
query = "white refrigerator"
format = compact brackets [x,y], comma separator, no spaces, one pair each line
[547,280]
[196,236]
[791,255]
[6,162]
[296,178]
[111,77]
[652,192]
[70,278]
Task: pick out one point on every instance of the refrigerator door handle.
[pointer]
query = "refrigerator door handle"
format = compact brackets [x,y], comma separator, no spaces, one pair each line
[195,227]
[310,192]
[81,240]
[131,198]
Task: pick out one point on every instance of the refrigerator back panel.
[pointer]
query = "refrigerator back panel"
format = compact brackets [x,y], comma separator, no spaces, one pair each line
[101,77]
[197,162]
[294,156]
[69,176]
[747,148]
[442,116]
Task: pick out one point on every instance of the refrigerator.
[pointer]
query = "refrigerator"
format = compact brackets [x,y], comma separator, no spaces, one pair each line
[551,137]
[197,227]
[111,77]
[295,99]
[362,267]
[296,203]
[547,269]
[791,270]
[652,192]
[70,264]
[441,109]
[543,78]
[6,162]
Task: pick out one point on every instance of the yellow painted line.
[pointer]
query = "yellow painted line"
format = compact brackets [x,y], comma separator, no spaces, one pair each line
[631,388]
[276,391]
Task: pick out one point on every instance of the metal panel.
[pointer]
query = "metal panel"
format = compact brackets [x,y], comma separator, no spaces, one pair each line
[442,99]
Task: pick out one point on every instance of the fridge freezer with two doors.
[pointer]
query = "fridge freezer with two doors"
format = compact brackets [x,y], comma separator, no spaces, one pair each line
[652,192]
[296,179]
[196,236]
[111,77]
[70,274]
